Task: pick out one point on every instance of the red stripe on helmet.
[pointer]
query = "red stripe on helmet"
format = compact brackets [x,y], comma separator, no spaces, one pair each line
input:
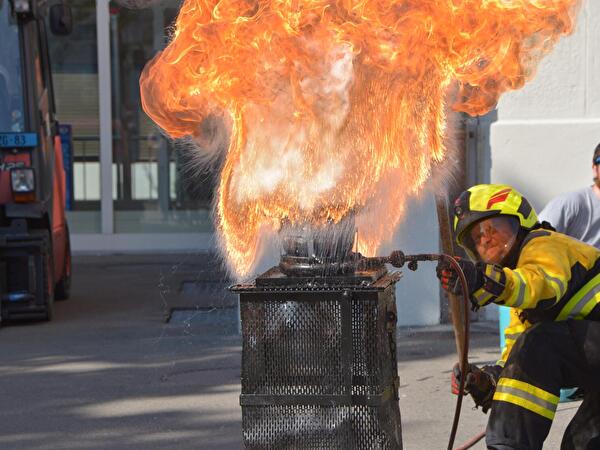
[498,197]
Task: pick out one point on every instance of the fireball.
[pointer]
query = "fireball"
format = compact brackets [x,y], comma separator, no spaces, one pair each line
[336,107]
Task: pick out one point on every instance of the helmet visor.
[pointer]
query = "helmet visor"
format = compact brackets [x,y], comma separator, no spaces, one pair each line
[490,240]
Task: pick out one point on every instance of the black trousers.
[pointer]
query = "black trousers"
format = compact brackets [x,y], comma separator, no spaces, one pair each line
[545,358]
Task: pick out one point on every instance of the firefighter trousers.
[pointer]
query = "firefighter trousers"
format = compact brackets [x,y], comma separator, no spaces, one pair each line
[545,358]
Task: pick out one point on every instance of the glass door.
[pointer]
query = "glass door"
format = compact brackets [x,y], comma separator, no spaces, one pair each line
[74,62]
[150,191]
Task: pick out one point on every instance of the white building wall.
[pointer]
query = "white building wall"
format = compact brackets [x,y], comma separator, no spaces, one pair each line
[545,134]
[417,293]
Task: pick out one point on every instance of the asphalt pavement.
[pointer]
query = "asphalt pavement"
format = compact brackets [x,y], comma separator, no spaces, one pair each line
[146,355]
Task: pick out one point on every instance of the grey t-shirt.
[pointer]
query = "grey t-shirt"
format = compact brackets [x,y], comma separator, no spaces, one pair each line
[576,214]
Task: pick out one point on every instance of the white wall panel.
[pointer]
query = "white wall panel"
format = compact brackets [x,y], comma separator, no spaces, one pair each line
[543,158]
[558,89]
[593,57]
[417,293]
[545,134]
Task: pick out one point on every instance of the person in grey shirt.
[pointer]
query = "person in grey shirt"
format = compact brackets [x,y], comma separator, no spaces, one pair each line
[577,213]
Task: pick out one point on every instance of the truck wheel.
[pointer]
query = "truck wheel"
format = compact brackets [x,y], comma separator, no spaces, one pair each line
[62,291]
[49,293]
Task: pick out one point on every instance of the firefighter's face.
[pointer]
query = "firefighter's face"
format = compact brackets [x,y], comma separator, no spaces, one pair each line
[493,238]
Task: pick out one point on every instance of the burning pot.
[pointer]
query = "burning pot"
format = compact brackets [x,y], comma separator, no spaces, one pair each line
[322,251]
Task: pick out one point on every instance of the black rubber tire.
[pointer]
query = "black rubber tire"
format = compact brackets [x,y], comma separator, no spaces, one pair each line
[62,290]
[49,283]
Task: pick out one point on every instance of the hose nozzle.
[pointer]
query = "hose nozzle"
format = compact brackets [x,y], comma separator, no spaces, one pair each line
[397,259]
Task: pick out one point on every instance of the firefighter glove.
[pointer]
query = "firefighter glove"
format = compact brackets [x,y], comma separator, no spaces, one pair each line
[479,383]
[449,277]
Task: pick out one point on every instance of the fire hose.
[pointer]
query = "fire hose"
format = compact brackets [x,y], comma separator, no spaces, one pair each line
[398,259]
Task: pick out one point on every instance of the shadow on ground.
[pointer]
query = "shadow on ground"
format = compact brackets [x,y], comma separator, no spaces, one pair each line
[110,373]
[416,343]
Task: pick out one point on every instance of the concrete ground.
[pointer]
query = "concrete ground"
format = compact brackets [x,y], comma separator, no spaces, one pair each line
[109,373]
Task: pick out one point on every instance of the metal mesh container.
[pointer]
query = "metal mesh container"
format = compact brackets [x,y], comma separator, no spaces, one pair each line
[319,367]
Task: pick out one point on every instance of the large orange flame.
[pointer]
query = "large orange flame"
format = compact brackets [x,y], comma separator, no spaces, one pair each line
[337,106]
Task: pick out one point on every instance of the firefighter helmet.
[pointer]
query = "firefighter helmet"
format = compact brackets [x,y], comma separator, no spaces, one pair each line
[510,210]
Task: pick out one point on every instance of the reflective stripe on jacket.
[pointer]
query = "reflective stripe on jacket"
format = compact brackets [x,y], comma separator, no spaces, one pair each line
[556,278]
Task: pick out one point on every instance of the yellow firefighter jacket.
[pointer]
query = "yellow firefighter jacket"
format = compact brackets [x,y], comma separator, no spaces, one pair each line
[556,278]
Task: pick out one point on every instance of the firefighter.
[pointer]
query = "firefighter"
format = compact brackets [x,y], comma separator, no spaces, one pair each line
[552,284]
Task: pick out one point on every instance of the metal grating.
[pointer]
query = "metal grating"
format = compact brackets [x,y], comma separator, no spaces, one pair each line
[319,367]
[366,370]
[279,342]
[320,427]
